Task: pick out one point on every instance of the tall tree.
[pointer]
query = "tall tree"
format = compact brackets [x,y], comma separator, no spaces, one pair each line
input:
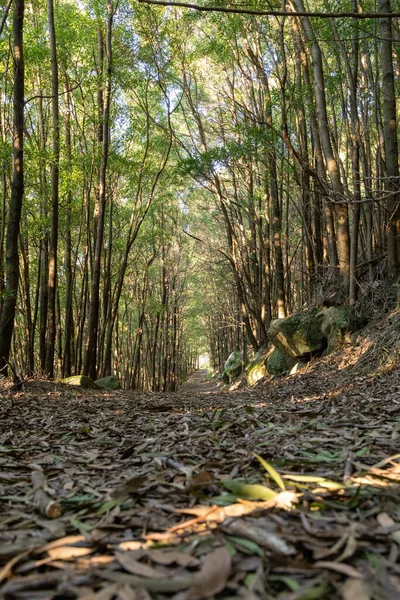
[338,192]
[55,167]
[17,191]
[391,144]
[90,366]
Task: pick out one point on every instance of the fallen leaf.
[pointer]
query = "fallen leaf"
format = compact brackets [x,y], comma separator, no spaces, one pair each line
[130,564]
[386,521]
[356,589]
[262,533]
[251,491]
[165,557]
[213,575]
[68,552]
[129,487]
[273,472]
[339,568]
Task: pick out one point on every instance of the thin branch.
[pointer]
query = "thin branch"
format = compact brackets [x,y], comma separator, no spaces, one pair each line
[5,15]
[274,13]
[184,230]
[50,96]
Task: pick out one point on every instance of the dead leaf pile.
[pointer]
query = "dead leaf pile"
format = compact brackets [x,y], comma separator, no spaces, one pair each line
[289,491]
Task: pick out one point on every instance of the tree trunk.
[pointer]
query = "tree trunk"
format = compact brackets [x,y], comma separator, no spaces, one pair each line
[391,144]
[67,359]
[52,282]
[340,205]
[17,193]
[90,366]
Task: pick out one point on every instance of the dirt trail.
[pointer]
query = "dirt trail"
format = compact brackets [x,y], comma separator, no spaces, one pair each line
[197,383]
[156,498]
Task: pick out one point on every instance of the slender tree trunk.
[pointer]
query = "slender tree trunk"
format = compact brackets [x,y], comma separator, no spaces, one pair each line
[17,192]
[355,163]
[90,366]
[391,144]
[52,283]
[29,330]
[67,359]
[340,205]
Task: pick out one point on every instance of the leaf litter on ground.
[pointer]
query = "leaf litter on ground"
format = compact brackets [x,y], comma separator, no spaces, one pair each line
[289,490]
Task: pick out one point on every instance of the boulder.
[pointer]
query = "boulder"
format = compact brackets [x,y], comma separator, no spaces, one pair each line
[81,380]
[335,325]
[257,368]
[109,383]
[232,367]
[279,364]
[298,336]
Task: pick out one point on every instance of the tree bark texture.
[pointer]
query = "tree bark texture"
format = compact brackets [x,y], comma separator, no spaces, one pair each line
[17,192]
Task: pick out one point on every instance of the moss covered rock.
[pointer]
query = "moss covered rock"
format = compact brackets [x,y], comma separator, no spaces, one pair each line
[279,364]
[257,367]
[298,336]
[82,381]
[109,383]
[335,325]
[232,367]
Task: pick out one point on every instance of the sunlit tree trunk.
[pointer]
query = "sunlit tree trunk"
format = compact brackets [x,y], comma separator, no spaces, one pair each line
[339,200]
[391,144]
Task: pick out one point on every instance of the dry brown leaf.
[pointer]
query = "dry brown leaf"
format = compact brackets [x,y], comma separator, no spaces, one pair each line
[213,575]
[339,568]
[137,593]
[386,521]
[200,480]
[68,552]
[349,550]
[130,545]
[129,487]
[68,540]
[356,589]
[262,533]
[128,562]
[6,571]
[165,557]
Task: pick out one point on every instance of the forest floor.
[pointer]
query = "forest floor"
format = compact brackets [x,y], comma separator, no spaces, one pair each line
[127,495]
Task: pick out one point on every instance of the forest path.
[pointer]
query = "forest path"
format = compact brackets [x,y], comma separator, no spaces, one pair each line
[198,383]
[152,493]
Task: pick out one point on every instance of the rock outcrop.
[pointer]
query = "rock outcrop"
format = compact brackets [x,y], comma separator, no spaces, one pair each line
[109,383]
[335,325]
[299,336]
[279,364]
[84,382]
[232,367]
[257,367]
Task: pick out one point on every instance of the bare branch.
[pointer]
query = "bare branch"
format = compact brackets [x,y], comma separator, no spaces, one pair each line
[5,15]
[272,13]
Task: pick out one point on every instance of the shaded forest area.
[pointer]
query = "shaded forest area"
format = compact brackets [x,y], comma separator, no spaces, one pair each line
[181,178]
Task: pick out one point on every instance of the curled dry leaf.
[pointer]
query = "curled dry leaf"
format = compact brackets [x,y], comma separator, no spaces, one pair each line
[213,575]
